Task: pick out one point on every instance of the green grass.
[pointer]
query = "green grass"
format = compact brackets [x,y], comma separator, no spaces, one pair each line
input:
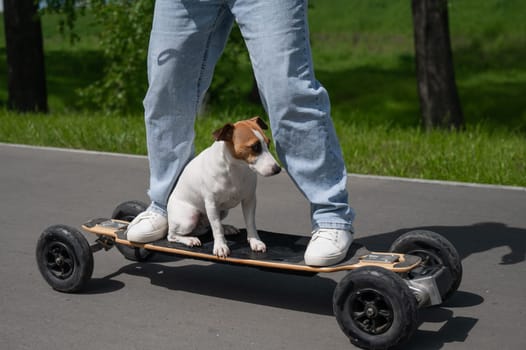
[363,54]
[476,155]
[75,130]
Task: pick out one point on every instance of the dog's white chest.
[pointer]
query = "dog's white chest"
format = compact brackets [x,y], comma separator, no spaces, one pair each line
[234,188]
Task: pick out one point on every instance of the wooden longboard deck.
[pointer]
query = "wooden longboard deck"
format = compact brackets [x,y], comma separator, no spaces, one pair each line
[284,251]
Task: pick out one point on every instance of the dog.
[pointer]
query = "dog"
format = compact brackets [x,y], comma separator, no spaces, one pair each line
[217,180]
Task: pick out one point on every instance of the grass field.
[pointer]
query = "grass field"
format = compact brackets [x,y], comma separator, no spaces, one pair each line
[363,54]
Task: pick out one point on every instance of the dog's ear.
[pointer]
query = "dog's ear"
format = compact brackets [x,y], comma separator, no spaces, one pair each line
[225,133]
[260,122]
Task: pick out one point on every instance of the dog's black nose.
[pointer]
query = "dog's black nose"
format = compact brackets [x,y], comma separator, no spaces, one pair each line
[276,169]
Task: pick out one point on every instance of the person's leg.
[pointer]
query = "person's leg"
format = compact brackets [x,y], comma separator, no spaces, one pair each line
[186,41]
[276,34]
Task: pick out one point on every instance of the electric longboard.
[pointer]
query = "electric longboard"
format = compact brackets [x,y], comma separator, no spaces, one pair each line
[375,304]
[284,251]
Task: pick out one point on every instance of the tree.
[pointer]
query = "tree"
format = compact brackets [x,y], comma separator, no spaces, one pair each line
[439,101]
[26,76]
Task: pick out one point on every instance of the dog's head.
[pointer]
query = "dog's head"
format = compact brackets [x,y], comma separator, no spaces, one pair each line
[247,141]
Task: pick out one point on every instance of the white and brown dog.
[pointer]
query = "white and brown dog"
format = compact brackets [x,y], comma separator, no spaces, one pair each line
[218,179]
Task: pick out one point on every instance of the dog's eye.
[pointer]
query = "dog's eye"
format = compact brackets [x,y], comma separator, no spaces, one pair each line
[256,148]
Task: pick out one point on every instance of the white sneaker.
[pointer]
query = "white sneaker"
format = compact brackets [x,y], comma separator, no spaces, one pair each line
[148,226]
[327,247]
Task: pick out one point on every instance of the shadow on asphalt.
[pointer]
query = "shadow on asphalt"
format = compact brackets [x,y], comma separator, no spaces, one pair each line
[468,240]
[454,328]
[307,294]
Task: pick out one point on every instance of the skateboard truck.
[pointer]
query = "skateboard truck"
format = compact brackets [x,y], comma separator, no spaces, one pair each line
[429,284]
[102,242]
[423,282]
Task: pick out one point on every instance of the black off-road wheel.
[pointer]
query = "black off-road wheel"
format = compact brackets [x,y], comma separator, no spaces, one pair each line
[435,251]
[64,258]
[375,308]
[127,211]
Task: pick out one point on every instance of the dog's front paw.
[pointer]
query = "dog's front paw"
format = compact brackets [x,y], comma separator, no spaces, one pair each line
[221,249]
[257,245]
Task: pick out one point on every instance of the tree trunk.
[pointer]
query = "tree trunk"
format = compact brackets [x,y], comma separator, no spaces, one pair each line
[439,101]
[26,76]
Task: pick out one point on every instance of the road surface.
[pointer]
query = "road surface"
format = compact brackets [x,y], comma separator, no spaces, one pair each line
[187,304]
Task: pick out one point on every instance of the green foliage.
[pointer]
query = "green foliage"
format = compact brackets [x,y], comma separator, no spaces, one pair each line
[124,27]
[124,30]
[69,10]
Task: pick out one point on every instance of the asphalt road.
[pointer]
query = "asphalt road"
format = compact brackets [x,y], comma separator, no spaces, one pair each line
[187,304]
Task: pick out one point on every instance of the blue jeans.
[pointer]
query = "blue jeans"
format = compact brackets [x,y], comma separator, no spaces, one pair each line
[187,39]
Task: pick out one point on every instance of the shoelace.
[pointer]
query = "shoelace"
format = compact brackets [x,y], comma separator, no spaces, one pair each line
[325,234]
[147,215]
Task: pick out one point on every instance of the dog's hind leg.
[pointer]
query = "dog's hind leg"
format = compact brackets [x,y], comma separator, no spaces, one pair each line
[182,220]
[189,241]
